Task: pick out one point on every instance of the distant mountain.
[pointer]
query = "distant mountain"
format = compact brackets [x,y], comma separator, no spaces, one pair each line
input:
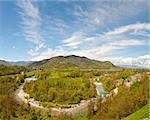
[19,63]
[71,62]
[3,62]
[134,66]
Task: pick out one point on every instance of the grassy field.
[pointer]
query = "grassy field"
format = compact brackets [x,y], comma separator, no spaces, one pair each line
[144,112]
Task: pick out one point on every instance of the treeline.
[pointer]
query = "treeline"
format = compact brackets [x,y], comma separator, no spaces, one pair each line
[9,70]
[46,73]
[8,84]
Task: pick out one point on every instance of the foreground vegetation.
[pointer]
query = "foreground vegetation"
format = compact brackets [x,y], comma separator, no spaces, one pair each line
[9,70]
[127,101]
[144,112]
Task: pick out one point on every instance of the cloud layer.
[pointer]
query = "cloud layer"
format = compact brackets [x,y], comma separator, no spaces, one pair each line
[140,61]
[31,23]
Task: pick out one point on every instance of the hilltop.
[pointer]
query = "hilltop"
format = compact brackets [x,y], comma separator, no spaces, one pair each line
[72,61]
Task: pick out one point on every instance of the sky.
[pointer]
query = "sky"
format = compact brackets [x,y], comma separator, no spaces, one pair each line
[114,30]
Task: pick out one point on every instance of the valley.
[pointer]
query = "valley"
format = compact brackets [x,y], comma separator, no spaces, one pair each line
[74,60]
[78,91]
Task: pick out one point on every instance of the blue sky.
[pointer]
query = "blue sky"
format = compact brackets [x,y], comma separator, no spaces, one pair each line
[105,30]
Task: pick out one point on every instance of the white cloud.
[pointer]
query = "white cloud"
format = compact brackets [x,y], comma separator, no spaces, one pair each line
[141,61]
[31,22]
[91,52]
[102,50]
[128,42]
[46,54]
[6,59]
[113,38]
[134,27]
[74,41]
[55,26]
[78,40]
[93,15]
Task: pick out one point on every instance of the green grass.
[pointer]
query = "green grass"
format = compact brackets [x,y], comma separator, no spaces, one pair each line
[144,112]
[31,73]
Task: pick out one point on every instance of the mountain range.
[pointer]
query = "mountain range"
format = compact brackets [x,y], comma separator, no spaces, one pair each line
[70,61]
[18,63]
[67,62]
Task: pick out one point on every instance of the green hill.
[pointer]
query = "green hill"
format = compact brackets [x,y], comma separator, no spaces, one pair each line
[72,61]
[144,112]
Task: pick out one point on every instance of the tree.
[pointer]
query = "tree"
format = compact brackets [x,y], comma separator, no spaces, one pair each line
[90,111]
[51,94]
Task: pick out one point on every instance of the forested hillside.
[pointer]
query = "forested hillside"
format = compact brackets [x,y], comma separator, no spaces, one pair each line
[72,61]
[9,69]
